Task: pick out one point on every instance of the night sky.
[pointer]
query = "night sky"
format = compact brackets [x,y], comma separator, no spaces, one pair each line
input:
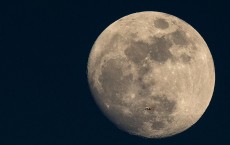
[44,48]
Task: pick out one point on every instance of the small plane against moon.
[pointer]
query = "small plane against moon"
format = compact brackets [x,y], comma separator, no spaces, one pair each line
[151,74]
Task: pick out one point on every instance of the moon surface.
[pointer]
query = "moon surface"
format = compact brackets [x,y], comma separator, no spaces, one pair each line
[151,74]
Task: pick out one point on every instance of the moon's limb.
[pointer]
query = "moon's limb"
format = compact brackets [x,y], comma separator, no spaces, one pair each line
[156,61]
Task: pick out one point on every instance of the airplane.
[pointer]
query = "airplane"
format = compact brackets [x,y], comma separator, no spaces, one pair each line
[147,108]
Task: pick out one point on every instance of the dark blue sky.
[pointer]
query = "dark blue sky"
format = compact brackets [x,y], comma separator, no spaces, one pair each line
[44,93]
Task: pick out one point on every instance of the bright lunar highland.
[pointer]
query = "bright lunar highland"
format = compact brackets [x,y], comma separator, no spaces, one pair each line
[152,74]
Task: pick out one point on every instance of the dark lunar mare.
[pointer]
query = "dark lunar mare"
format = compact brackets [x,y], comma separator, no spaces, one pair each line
[179,38]
[137,51]
[113,80]
[159,49]
[161,23]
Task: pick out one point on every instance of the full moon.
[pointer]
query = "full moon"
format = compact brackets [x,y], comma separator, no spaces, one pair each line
[151,74]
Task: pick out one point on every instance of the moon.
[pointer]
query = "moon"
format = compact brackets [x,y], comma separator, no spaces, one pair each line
[151,74]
